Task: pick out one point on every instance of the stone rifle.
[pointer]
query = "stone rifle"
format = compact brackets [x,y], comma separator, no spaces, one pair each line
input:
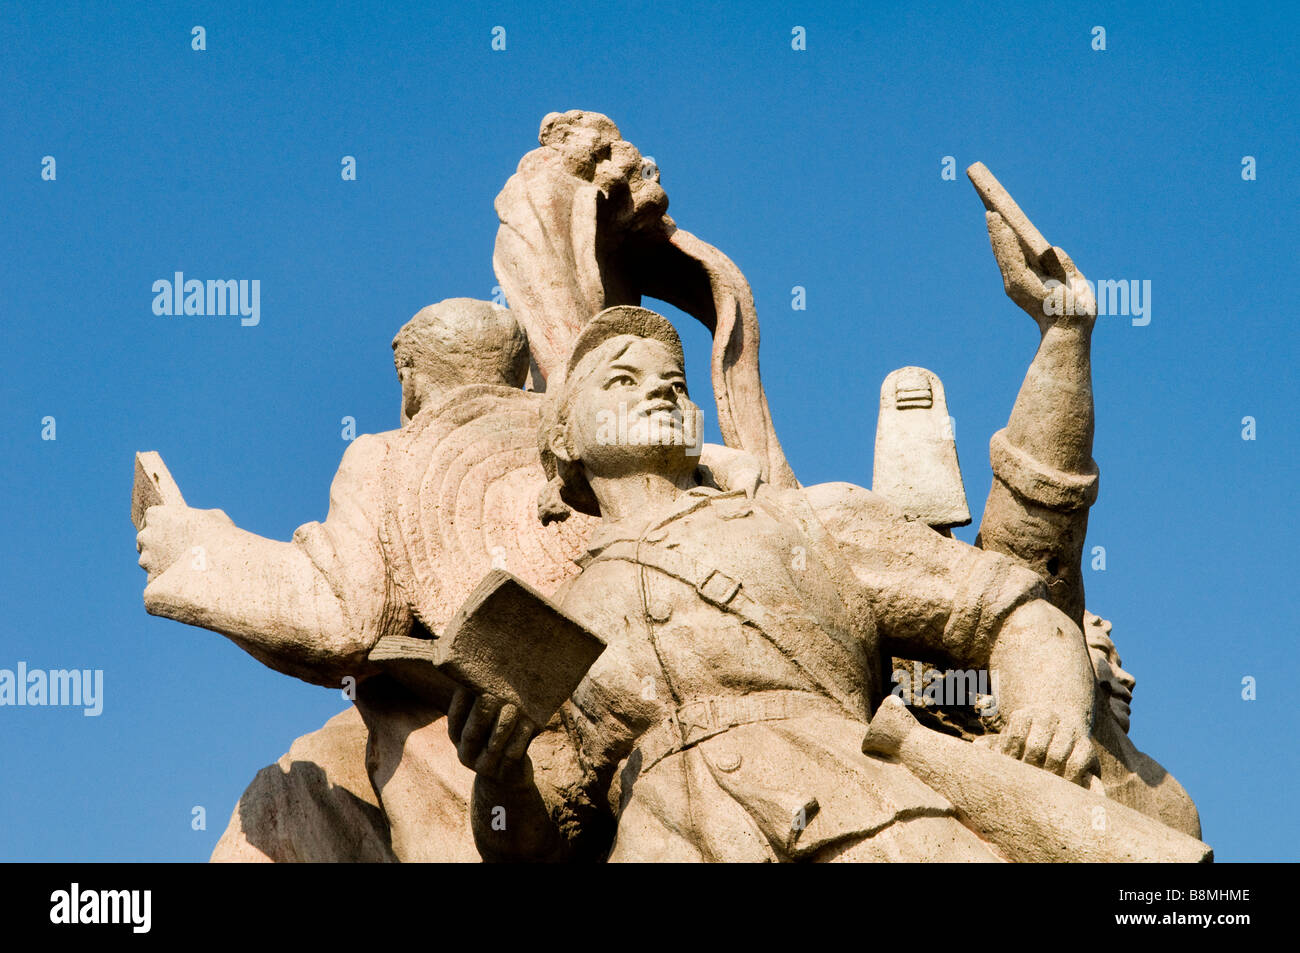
[1029,814]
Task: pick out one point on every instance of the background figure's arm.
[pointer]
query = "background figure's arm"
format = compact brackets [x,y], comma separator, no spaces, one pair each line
[1044,475]
[1052,419]
[311,608]
[941,600]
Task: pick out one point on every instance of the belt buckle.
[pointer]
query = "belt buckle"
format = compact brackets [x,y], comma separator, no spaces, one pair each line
[694,720]
[717,588]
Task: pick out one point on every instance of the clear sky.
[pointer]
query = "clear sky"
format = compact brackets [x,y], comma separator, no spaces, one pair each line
[818,168]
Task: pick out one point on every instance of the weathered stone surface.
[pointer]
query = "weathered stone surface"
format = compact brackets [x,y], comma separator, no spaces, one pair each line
[746,618]
[1045,479]
[314,805]
[422,787]
[755,753]
[583,228]
[916,454]
[1129,776]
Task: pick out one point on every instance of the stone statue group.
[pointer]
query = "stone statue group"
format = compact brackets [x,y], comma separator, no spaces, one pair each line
[738,706]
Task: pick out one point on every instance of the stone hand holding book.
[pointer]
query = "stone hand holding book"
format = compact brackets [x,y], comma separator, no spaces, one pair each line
[506,640]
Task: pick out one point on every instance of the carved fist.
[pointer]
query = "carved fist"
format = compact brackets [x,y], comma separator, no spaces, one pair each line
[631,182]
[170,532]
[1051,290]
[491,736]
[589,147]
[1043,739]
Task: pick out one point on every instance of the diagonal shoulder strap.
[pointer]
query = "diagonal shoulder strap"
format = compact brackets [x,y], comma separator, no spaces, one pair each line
[720,590]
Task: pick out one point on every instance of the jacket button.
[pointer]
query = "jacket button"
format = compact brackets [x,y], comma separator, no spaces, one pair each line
[727,761]
[659,610]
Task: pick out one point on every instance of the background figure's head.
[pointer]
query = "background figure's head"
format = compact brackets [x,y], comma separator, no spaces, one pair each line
[1115,684]
[621,410]
[456,342]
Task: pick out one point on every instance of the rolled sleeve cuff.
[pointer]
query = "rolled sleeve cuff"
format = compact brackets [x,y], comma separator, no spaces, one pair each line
[1038,483]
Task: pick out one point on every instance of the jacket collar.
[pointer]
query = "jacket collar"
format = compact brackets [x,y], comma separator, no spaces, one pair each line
[635,528]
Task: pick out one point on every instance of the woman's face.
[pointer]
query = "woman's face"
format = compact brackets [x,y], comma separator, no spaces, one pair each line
[630,412]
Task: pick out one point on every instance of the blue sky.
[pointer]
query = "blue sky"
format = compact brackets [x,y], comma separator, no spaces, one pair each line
[818,168]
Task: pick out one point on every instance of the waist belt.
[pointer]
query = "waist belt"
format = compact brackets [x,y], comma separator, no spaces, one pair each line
[706,717]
